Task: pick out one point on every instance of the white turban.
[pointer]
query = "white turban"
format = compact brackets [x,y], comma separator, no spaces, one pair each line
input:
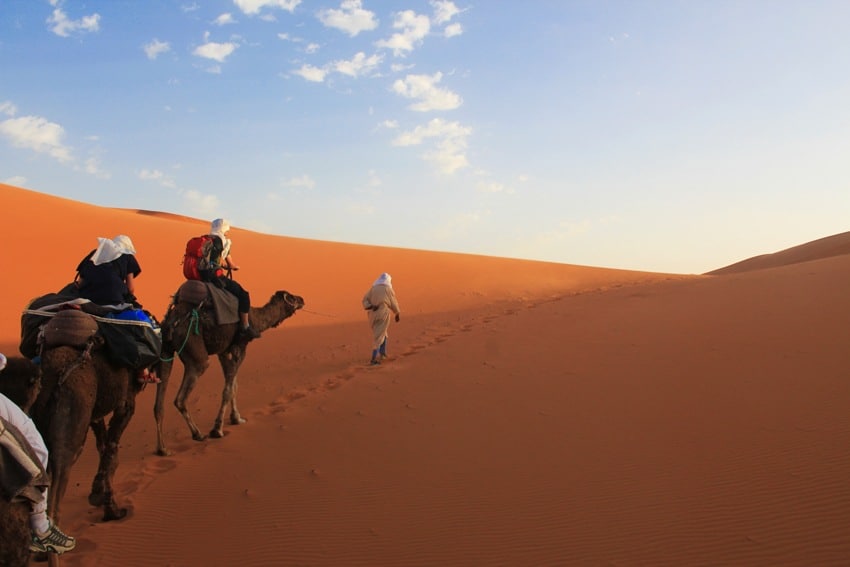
[108,250]
[219,227]
[384,279]
[2,361]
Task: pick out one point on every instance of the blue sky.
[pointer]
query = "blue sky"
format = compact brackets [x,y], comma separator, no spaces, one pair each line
[670,136]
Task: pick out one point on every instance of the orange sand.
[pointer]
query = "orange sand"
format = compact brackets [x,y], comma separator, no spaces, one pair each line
[529,414]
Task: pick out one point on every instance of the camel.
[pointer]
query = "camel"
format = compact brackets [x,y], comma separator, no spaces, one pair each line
[80,388]
[191,333]
[20,381]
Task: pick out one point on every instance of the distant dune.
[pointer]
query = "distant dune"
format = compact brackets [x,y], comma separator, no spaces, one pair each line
[828,247]
[529,413]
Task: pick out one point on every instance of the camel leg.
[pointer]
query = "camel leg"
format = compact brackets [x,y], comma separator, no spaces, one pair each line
[230,363]
[65,439]
[109,462]
[164,373]
[98,427]
[190,378]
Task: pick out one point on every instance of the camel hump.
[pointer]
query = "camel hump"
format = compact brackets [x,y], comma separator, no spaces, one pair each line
[192,291]
[69,327]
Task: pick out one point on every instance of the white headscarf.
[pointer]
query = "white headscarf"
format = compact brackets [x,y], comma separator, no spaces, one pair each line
[108,250]
[384,279]
[2,361]
[220,227]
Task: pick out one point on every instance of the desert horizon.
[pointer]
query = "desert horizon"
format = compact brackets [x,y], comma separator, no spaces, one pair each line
[530,413]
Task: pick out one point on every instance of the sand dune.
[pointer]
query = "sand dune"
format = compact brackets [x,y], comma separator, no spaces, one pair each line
[836,245]
[530,413]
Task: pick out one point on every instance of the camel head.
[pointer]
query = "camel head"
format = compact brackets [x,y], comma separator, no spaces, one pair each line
[291,304]
[20,381]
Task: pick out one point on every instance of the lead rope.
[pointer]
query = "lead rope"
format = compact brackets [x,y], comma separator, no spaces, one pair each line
[194,325]
[84,356]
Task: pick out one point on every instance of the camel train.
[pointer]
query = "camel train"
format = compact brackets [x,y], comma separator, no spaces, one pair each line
[89,371]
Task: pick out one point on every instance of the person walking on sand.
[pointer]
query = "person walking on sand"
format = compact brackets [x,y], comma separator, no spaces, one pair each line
[46,536]
[380,302]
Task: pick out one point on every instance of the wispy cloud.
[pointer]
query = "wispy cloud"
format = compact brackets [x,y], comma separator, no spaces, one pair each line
[414,28]
[301,182]
[156,48]
[157,176]
[92,166]
[16,180]
[201,204]
[63,26]
[450,143]
[493,187]
[424,89]
[459,224]
[357,66]
[350,18]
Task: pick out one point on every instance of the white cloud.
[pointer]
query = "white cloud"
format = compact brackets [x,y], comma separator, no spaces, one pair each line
[391,124]
[253,7]
[453,30]
[312,74]
[444,11]
[450,143]
[63,26]
[158,177]
[304,181]
[224,19]
[351,18]
[215,51]
[37,134]
[8,108]
[312,48]
[357,66]
[93,167]
[423,88]
[156,48]
[414,28]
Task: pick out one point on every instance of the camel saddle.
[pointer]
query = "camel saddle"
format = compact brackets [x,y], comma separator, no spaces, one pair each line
[224,304]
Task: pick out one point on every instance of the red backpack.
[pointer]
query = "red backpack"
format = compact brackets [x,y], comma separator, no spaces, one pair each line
[202,258]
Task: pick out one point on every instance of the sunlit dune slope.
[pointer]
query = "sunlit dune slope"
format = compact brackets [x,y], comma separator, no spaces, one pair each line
[51,235]
[827,247]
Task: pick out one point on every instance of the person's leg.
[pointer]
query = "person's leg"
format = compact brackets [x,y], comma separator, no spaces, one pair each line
[246,330]
[46,536]
[383,348]
[39,523]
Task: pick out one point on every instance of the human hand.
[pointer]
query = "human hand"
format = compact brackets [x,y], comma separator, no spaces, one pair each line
[397,317]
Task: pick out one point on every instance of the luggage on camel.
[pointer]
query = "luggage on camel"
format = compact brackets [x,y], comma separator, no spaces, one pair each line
[132,336]
[202,259]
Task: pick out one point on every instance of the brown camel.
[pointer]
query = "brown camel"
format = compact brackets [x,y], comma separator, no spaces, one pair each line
[20,381]
[190,332]
[80,388]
